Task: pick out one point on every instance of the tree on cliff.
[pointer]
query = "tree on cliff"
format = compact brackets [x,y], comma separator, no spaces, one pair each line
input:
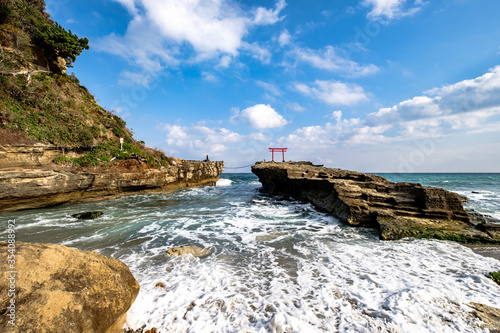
[28,17]
[57,42]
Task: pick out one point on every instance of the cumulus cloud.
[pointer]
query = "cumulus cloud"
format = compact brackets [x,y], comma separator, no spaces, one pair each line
[199,140]
[331,59]
[161,31]
[333,92]
[463,97]
[260,116]
[391,9]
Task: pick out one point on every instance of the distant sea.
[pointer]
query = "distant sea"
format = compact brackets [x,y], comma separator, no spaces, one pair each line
[279,265]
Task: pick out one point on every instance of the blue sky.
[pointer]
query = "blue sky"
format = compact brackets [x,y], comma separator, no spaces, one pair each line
[368,85]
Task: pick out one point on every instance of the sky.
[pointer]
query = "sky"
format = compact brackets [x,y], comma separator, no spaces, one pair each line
[366,85]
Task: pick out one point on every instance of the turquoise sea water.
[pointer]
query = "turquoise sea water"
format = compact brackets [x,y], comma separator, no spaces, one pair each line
[279,265]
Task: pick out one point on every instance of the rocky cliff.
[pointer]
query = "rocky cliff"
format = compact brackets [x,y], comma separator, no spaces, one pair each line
[35,186]
[397,209]
[59,289]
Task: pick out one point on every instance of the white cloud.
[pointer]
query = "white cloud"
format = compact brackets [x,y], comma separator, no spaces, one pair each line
[209,77]
[131,78]
[463,97]
[176,135]
[258,52]
[260,116]
[333,92]
[210,26]
[259,137]
[330,59]
[265,16]
[163,32]
[284,38]
[129,4]
[197,141]
[336,115]
[269,87]
[391,9]
[296,107]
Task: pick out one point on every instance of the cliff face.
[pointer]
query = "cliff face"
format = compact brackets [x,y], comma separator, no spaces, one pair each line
[60,289]
[36,187]
[397,209]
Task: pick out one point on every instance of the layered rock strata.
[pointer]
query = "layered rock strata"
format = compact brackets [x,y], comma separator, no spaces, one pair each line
[397,209]
[61,289]
[35,186]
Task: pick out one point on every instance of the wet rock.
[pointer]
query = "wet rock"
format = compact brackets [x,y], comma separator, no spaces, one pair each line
[398,210]
[189,249]
[87,215]
[61,289]
[488,314]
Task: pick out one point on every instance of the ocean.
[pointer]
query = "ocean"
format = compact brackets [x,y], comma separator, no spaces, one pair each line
[278,265]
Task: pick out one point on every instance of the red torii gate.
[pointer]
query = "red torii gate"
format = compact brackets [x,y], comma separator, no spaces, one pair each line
[282,150]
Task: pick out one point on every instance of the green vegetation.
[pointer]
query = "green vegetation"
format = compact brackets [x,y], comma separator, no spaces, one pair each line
[495,276]
[53,107]
[26,27]
[57,42]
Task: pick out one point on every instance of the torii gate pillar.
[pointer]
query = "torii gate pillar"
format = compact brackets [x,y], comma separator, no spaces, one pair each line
[282,150]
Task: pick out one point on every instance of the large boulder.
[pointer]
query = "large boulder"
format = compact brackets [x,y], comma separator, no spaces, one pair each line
[61,289]
[398,210]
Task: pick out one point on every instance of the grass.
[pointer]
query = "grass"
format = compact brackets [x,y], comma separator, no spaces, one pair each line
[495,276]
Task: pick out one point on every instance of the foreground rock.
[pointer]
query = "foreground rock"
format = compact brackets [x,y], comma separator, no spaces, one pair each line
[34,186]
[397,209]
[61,289]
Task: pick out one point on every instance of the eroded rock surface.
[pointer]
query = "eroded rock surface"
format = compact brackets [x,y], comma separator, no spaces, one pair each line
[61,289]
[46,185]
[397,209]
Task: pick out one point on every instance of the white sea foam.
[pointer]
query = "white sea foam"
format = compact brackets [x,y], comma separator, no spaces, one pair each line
[315,276]
[276,266]
[224,182]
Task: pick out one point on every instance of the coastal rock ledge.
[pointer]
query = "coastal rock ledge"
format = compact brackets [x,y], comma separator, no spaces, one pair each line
[44,185]
[61,289]
[398,210]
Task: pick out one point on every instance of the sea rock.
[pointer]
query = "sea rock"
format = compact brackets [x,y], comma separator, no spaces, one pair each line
[31,186]
[189,249]
[61,289]
[488,314]
[398,210]
[87,215]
